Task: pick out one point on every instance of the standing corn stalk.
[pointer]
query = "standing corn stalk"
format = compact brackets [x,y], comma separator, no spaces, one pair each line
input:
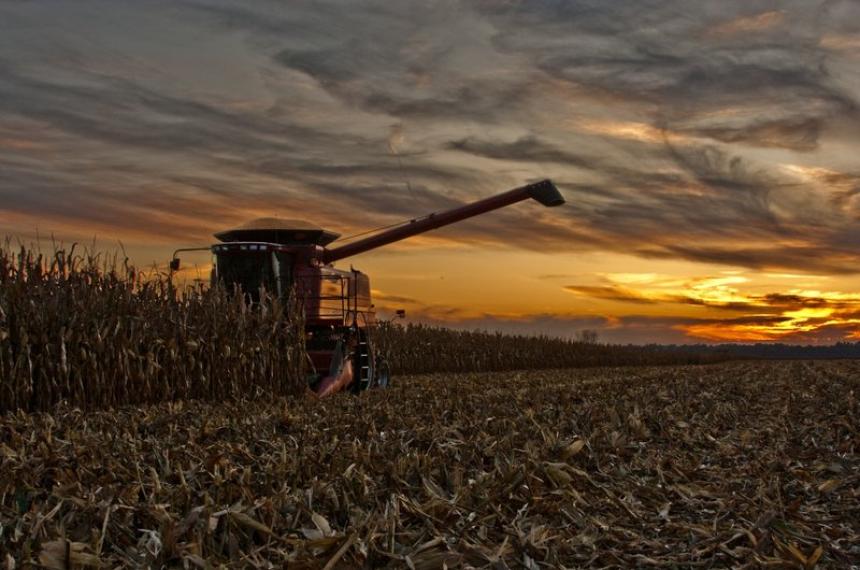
[75,328]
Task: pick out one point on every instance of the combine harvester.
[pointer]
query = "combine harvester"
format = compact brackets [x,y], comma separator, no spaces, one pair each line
[289,255]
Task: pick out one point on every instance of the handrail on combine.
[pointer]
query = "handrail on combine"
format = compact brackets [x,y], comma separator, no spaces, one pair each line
[345,302]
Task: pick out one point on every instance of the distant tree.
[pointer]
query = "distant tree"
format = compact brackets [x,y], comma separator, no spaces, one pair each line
[588,336]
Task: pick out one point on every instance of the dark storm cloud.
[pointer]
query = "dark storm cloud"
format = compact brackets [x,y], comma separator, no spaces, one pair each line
[793,134]
[526,149]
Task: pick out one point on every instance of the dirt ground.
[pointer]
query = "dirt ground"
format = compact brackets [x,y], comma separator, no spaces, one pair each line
[741,464]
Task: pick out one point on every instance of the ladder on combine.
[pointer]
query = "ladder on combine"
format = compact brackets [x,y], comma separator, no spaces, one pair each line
[363,364]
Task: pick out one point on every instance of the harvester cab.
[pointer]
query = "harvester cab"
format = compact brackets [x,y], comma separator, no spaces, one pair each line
[292,257]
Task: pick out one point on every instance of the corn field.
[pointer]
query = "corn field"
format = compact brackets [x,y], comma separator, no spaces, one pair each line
[418,349]
[96,333]
[92,331]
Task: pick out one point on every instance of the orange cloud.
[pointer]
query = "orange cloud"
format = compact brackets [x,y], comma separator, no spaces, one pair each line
[11,143]
[793,325]
[748,24]
[630,130]
[840,42]
[763,316]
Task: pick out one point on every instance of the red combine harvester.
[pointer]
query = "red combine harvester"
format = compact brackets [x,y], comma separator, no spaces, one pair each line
[286,256]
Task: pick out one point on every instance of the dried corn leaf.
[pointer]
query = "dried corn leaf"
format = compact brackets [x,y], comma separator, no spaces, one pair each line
[573,449]
[63,554]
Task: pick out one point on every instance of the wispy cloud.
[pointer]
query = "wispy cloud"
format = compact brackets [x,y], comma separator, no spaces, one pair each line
[726,135]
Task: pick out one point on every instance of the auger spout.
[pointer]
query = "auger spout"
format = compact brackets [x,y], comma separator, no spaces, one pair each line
[543,192]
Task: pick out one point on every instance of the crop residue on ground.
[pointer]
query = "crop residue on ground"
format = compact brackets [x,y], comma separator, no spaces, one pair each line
[736,464]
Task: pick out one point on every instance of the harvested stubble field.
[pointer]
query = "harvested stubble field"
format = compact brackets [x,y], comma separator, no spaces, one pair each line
[730,465]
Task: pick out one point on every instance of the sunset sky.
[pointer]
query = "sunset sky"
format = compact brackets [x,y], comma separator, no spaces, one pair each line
[709,152]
